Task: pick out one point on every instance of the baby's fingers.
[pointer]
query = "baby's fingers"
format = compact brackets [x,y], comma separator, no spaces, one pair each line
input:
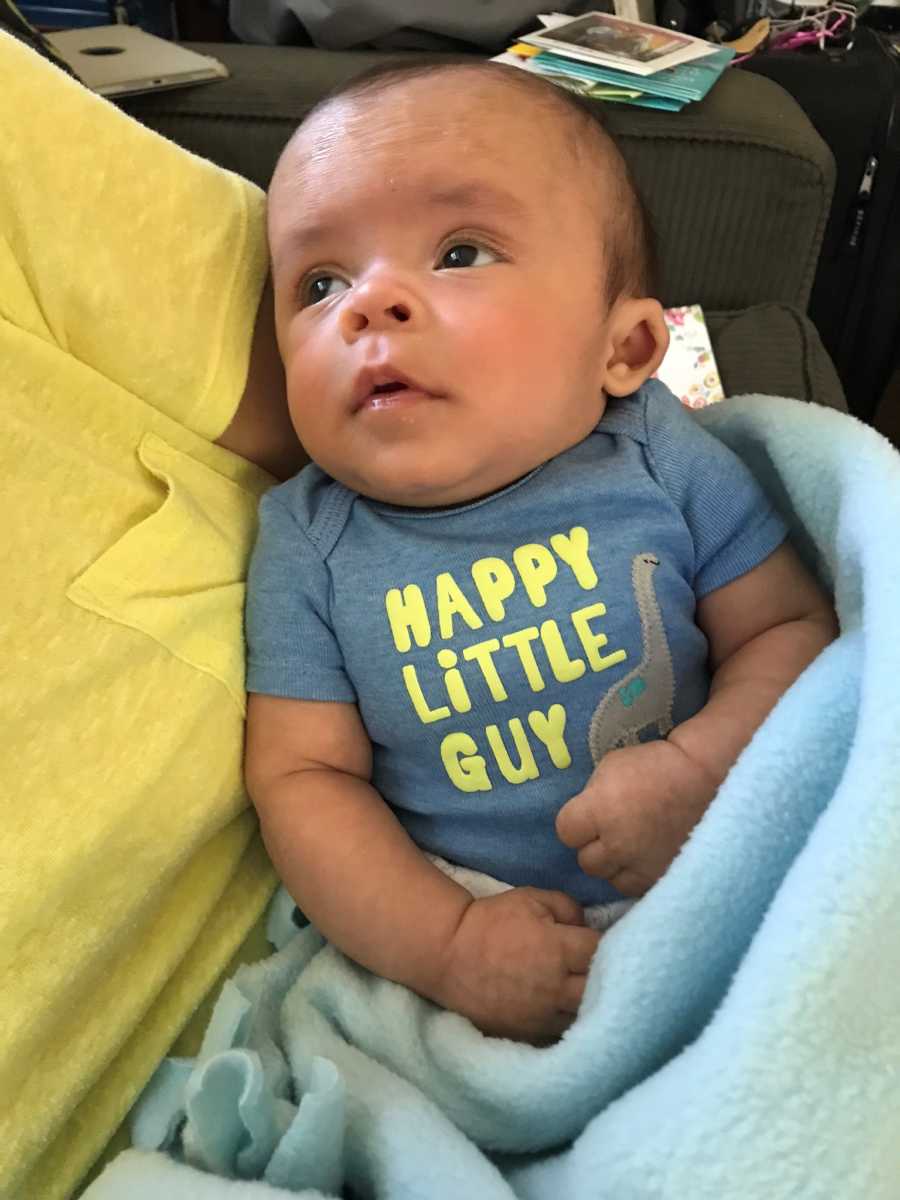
[551,1029]
[632,883]
[572,993]
[597,858]
[575,824]
[625,871]
[578,948]
[562,908]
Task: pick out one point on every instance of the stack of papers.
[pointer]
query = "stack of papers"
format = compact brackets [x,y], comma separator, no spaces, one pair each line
[607,58]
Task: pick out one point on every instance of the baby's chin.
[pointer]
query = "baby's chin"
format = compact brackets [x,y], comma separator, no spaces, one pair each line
[430,496]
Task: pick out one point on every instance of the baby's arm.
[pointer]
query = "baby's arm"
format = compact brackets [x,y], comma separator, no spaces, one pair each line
[641,802]
[261,428]
[763,630]
[515,964]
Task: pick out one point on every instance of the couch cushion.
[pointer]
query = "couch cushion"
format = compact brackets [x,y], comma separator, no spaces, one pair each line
[774,349]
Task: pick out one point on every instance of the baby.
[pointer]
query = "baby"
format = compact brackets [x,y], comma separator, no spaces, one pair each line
[516,555]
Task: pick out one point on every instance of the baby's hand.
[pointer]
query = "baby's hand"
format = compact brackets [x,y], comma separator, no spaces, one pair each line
[635,814]
[517,964]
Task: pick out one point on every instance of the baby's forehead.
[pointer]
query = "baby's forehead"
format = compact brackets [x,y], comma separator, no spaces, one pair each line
[462,110]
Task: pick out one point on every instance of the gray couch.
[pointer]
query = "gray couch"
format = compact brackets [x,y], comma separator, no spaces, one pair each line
[738,187]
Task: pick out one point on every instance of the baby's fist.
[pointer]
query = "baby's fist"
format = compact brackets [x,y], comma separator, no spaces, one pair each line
[635,814]
[518,963]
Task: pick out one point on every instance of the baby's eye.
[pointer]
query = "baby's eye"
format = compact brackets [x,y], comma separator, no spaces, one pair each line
[321,287]
[466,254]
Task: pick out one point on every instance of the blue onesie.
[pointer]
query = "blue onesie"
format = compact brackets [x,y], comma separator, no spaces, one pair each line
[497,648]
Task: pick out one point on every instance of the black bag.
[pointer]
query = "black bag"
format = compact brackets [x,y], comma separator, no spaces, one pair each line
[852,98]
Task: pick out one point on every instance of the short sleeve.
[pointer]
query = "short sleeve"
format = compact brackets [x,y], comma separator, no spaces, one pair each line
[139,260]
[733,525]
[292,649]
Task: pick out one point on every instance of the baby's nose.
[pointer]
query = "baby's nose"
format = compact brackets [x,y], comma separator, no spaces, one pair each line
[377,305]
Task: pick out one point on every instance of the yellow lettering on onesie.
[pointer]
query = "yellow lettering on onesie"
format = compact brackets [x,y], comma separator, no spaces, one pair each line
[572,548]
[550,729]
[495,582]
[424,712]
[407,613]
[593,642]
[450,601]
[481,653]
[537,567]
[527,768]
[464,766]
[564,669]
[521,640]
[453,681]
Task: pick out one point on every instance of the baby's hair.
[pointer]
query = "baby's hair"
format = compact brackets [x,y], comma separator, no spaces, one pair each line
[629,240]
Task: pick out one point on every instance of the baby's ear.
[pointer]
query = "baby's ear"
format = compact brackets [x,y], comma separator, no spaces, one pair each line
[638,340]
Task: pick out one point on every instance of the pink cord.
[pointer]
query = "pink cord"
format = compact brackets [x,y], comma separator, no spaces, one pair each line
[792,41]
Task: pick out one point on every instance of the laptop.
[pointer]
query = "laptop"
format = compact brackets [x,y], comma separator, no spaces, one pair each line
[123,60]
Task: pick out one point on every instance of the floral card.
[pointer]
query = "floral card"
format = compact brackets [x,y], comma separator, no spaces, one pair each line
[689,368]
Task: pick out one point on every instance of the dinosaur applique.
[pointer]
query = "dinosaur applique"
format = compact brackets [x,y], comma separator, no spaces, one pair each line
[642,699]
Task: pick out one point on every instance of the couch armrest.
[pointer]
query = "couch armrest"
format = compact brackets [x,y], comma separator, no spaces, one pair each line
[774,349]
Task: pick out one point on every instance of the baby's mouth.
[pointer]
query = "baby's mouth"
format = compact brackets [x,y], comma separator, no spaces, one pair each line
[381,389]
[392,395]
[384,386]
[386,390]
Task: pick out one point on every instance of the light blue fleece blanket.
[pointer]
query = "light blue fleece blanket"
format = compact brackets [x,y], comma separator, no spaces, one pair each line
[740,1033]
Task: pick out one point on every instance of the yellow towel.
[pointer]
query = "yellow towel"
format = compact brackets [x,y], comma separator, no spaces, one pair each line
[130,867]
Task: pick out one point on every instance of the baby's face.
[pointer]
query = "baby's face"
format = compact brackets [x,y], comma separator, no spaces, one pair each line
[438,276]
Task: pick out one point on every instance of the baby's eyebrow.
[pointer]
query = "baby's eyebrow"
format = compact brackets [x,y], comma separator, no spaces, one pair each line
[471,195]
[476,195]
